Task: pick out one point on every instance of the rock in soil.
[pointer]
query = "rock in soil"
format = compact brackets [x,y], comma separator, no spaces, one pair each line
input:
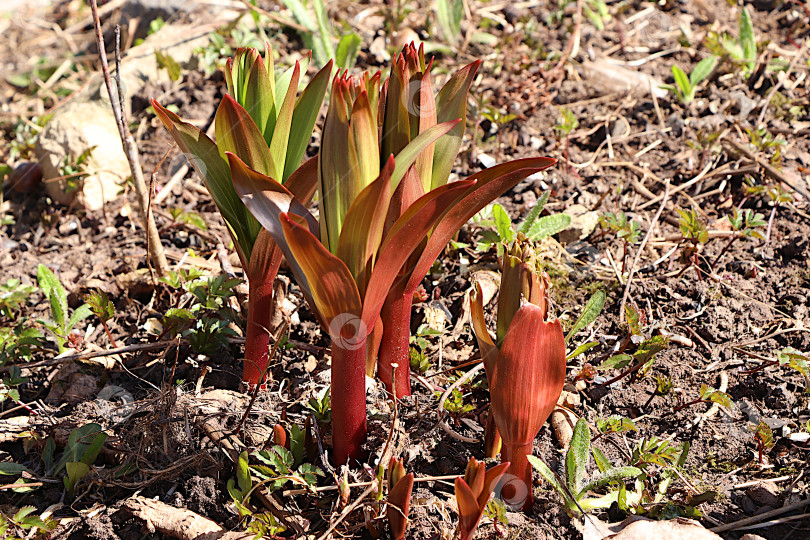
[76,129]
[764,494]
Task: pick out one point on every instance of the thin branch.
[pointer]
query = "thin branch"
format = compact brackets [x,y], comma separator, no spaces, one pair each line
[154,247]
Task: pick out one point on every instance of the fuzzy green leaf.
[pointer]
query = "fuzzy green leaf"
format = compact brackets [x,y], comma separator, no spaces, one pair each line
[547,226]
[702,70]
[576,460]
[589,313]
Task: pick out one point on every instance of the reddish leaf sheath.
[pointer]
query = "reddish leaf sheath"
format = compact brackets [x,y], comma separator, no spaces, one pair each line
[526,382]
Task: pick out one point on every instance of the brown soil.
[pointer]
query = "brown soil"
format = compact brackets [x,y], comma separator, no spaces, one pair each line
[726,316]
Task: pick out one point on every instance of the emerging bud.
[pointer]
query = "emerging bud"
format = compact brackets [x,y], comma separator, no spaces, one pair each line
[472,494]
[525,365]
[280,436]
[400,487]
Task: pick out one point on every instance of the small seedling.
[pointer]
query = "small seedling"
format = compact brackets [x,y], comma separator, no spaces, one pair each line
[763,436]
[14,294]
[763,141]
[420,345]
[8,386]
[566,123]
[187,217]
[627,230]
[685,87]
[320,37]
[496,511]
[694,232]
[573,486]
[643,359]
[26,524]
[240,489]
[534,227]
[742,49]
[18,342]
[614,424]
[83,446]
[597,12]
[74,169]
[321,406]
[706,394]
[280,467]
[455,405]
[449,14]
[745,224]
[797,360]
[103,308]
[60,325]
[207,321]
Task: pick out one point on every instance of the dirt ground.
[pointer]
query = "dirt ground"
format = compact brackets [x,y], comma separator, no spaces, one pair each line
[728,304]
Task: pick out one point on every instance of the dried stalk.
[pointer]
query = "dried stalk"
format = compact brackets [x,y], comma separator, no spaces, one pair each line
[154,247]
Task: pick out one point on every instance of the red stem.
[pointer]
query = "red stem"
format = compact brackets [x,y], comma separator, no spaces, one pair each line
[348,400]
[261,307]
[516,486]
[395,345]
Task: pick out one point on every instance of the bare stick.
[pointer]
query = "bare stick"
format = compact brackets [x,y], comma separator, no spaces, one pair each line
[767,168]
[761,517]
[641,249]
[154,247]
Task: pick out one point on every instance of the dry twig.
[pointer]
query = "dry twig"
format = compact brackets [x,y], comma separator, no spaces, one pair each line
[154,247]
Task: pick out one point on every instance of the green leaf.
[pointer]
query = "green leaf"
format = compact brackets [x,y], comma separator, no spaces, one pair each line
[451,104]
[633,318]
[166,61]
[243,473]
[347,49]
[83,445]
[650,348]
[503,223]
[23,512]
[407,156]
[702,70]
[75,472]
[80,314]
[615,424]
[581,349]
[324,30]
[318,36]
[304,117]
[55,293]
[548,225]
[602,462]
[576,460]
[212,167]
[534,213]
[449,14]
[589,313]
[682,81]
[281,130]
[551,478]
[611,475]
[8,468]
[617,361]
[748,41]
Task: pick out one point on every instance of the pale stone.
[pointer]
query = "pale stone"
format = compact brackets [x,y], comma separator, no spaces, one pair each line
[74,129]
